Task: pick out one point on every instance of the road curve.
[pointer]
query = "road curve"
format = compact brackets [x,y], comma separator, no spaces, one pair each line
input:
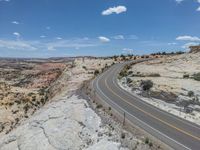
[176,132]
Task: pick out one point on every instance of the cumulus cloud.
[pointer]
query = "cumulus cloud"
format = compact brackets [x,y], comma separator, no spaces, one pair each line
[15,22]
[187,45]
[17,34]
[118,37]
[104,39]
[116,10]
[188,38]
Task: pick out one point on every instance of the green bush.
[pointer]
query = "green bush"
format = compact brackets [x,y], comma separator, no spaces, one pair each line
[84,67]
[146,140]
[99,106]
[150,144]
[146,84]
[123,135]
[96,72]
[154,75]
[186,76]
[128,80]
[197,76]
[190,93]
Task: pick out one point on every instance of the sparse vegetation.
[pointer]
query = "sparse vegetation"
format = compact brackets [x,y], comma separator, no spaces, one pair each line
[154,75]
[84,67]
[123,135]
[186,76]
[146,140]
[96,72]
[99,106]
[190,93]
[196,76]
[146,84]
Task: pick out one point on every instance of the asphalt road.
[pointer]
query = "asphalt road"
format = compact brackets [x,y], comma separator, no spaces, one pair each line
[176,132]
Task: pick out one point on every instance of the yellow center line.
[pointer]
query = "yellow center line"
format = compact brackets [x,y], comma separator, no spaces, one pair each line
[147,113]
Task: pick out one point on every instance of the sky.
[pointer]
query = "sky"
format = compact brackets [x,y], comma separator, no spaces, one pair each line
[60,28]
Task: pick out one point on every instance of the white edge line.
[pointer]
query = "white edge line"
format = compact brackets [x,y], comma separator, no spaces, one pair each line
[137,118]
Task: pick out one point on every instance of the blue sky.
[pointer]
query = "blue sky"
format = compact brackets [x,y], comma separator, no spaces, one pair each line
[51,28]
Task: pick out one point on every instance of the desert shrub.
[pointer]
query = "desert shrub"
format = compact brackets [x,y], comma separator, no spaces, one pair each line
[123,135]
[154,75]
[190,93]
[96,72]
[196,76]
[99,106]
[84,67]
[146,140]
[123,73]
[30,94]
[186,76]
[123,57]
[146,84]
[128,80]
[115,58]
[109,108]
[150,144]
[130,72]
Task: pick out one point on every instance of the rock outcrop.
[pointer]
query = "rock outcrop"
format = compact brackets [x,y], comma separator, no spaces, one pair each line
[194,49]
[65,124]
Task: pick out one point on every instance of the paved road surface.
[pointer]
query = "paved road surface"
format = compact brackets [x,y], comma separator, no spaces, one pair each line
[175,132]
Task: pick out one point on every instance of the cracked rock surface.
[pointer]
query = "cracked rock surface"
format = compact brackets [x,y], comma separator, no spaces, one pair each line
[67,123]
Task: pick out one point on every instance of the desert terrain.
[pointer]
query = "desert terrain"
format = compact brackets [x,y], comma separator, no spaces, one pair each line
[64,120]
[174,83]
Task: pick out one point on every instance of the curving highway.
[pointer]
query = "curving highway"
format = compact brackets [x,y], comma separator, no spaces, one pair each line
[176,132]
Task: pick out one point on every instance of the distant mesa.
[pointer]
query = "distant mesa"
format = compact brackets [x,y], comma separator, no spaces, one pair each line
[194,49]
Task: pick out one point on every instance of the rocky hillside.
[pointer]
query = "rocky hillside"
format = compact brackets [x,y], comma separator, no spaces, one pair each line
[24,88]
[173,79]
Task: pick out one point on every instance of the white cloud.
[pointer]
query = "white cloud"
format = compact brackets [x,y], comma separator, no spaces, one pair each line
[58,38]
[43,36]
[118,37]
[179,1]
[116,10]
[104,39]
[172,43]
[76,43]
[16,45]
[17,34]
[198,9]
[132,37]
[47,45]
[127,51]
[187,45]
[4,0]
[188,38]
[15,22]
